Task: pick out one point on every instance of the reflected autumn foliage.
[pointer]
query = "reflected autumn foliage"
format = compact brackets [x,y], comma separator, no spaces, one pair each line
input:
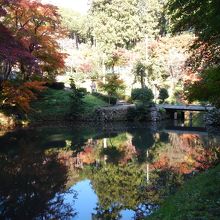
[77,160]
[181,153]
[87,156]
[120,150]
[94,152]
[184,153]
[132,169]
[33,186]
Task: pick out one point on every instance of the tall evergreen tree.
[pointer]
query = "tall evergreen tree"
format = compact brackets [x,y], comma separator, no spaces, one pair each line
[123,23]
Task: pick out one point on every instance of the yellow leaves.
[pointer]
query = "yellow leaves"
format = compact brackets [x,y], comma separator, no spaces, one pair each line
[21,96]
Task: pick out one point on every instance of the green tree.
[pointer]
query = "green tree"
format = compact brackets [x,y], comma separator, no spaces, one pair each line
[200,16]
[123,23]
[207,88]
[139,72]
[203,18]
[163,95]
[77,24]
[113,86]
[143,99]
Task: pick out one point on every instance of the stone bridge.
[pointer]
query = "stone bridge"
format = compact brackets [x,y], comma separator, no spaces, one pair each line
[173,109]
[186,107]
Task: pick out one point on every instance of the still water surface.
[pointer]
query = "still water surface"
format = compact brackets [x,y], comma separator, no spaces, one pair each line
[83,172]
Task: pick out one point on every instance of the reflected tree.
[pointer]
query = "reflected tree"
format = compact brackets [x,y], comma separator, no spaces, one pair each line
[32,186]
[114,155]
[119,188]
[163,183]
[119,149]
[143,139]
[184,153]
[112,213]
[33,178]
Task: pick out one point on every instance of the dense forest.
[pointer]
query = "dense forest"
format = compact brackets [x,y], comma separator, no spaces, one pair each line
[118,45]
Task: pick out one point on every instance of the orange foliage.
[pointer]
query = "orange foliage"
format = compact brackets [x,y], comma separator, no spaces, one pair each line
[203,56]
[87,156]
[129,152]
[38,27]
[21,96]
[190,155]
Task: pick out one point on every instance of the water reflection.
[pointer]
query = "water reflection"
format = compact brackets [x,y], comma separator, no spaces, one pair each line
[125,187]
[32,186]
[123,171]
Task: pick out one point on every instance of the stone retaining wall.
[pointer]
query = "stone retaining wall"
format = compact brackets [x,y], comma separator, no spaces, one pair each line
[120,113]
[114,113]
[212,118]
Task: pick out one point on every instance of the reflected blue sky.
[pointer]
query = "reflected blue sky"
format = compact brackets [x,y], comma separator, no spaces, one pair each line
[86,202]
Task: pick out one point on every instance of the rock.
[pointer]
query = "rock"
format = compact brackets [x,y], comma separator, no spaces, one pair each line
[213,117]
[114,113]
[155,114]
[120,113]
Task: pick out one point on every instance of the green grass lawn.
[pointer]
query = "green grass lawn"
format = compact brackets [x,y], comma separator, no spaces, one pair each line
[198,199]
[56,105]
[91,103]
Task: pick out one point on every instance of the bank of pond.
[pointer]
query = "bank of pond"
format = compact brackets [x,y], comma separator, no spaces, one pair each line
[57,106]
[110,171]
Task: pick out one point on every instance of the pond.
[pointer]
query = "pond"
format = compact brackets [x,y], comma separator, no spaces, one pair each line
[111,171]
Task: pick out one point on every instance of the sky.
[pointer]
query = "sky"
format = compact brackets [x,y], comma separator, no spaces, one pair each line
[77,5]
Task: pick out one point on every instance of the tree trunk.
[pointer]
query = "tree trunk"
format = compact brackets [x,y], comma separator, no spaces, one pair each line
[23,72]
[142,82]
[6,70]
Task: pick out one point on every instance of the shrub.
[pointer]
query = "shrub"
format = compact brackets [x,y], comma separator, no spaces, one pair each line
[140,113]
[163,95]
[143,95]
[83,90]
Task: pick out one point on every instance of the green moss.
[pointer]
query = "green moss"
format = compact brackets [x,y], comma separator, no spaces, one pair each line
[199,198]
[55,105]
